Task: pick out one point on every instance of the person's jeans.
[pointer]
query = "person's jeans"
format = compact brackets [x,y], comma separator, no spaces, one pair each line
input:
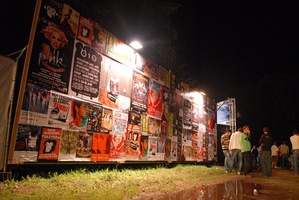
[284,161]
[295,157]
[237,159]
[266,163]
[227,161]
[247,162]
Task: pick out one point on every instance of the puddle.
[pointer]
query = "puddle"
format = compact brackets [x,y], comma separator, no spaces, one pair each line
[228,190]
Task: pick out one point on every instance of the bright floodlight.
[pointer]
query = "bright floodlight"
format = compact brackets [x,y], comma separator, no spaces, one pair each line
[136,45]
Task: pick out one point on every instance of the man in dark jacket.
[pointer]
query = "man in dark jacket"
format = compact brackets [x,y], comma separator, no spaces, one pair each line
[266,158]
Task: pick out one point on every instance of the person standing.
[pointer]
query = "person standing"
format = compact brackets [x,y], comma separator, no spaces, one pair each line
[254,156]
[235,149]
[225,138]
[266,159]
[246,150]
[295,146]
[284,155]
[274,154]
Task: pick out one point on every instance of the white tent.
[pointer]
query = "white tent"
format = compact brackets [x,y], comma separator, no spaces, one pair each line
[8,68]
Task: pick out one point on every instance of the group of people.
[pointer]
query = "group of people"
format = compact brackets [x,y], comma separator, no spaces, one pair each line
[238,153]
[237,150]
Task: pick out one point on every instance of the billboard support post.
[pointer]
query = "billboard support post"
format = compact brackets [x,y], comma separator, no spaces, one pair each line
[23,82]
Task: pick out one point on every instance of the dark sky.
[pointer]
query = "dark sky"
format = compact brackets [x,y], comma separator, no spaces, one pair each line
[229,43]
[226,46]
[231,47]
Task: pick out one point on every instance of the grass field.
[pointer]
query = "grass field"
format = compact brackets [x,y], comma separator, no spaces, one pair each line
[108,183]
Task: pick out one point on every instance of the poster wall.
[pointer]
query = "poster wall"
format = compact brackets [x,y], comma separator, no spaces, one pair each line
[85,101]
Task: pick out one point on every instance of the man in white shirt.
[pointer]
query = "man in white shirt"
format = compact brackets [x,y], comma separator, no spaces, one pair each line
[235,149]
[295,146]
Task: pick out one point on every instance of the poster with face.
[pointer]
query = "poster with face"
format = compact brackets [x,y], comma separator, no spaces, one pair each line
[144,147]
[99,38]
[155,98]
[79,114]
[50,62]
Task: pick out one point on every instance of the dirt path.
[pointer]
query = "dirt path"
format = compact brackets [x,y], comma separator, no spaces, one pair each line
[283,184]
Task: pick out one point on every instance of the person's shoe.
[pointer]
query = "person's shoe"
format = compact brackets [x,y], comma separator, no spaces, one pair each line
[248,175]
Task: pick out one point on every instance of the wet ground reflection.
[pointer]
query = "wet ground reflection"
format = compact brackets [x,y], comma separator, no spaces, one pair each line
[228,190]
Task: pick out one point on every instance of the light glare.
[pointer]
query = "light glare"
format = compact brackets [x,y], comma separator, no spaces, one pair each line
[136,45]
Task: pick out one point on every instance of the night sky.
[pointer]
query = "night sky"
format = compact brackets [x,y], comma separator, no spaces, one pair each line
[236,49]
[227,46]
[231,43]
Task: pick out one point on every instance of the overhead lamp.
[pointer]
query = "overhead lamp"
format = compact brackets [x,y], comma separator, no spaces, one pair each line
[136,45]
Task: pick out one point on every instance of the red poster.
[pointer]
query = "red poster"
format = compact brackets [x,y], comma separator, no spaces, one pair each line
[155,95]
[49,145]
[139,92]
[100,150]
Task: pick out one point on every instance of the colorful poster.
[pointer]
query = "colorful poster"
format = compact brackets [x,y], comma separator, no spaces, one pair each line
[50,61]
[187,152]
[167,152]
[131,150]
[117,147]
[99,38]
[100,147]
[86,71]
[187,123]
[120,121]
[174,148]
[152,145]
[69,22]
[49,144]
[94,118]
[160,148]
[155,96]
[116,78]
[154,126]
[83,150]
[139,93]
[107,120]
[132,142]
[36,99]
[144,124]
[144,147]
[27,143]
[68,145]
[59,109]
[85,30]
[79,114]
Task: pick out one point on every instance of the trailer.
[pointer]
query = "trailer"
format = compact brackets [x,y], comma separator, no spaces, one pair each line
[86,97]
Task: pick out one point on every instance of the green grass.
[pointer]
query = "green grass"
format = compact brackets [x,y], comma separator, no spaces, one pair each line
[108,184]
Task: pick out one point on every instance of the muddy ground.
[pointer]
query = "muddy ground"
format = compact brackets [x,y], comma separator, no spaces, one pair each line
[282,185]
